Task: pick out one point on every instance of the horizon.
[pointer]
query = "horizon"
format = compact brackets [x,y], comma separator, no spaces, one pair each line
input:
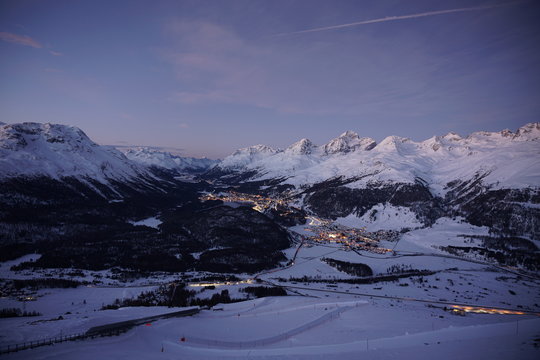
[181,152]
[208,78]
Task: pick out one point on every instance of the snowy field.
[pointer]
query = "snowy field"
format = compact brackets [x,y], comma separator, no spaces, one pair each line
[299,327]
[401,319]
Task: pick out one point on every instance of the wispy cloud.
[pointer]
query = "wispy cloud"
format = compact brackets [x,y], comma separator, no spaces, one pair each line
[400,17]
[216,66]
[397,75]
[26,41]
[20,39]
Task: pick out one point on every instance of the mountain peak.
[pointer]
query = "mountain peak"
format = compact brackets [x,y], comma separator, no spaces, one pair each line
[301,147]
[34,149]
[528,132]
[256,149]
[349,134]
[20,135]
[452,136]
[347,142]
[242,157]
[153,157]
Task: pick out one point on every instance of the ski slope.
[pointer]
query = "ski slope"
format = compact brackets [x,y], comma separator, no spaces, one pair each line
[372,330]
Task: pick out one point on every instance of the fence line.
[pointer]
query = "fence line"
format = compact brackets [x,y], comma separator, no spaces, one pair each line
[36,343]
[97,331]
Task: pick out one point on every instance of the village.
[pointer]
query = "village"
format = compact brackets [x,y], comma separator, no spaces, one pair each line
[324,231]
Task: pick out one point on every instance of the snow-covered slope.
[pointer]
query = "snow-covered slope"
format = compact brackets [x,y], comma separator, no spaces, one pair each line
[347,142]
[59,151]
[247,157]
[505,159]
[160,159]
[490,178]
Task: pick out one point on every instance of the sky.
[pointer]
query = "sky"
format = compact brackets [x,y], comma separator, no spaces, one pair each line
[208,77]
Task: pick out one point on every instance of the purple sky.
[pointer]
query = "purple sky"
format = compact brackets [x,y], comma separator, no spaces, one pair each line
[209,77]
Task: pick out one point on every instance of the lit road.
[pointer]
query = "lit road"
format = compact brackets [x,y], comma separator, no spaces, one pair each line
[473,308]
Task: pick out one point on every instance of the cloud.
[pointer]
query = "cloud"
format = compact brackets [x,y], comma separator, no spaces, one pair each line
[20,39]
[398,75]
[26,41]
[214,65]
[394,18]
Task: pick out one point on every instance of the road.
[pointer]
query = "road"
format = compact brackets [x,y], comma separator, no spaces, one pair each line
[450,304]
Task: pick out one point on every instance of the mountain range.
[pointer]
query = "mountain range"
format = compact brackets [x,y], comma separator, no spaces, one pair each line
[503,159]
[164,160]
[488,178]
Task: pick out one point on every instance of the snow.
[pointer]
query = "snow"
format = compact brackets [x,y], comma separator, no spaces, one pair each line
[151,157]
[444,232]
[57,151]
[346,142]
[383,217]
[337,321]
[509,160]
[301,147]
[344,321]
[245,156]
[5,266]
[352,329]
[153,222]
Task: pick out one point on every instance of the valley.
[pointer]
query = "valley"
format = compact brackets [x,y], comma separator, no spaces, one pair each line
[348,252]
[325,268]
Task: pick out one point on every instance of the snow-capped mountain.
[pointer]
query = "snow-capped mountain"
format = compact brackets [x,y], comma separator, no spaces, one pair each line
[160,159]
[347,142]
[301,147]
[505,159]
[60,151]
[491,178]
[243,158]
[58,164]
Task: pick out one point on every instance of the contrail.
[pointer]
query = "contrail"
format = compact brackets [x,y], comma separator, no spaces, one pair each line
[394,18]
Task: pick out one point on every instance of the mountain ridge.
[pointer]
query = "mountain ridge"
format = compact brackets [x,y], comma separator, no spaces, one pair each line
[166,160]
[348,155]
[59,151]
[488,178]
